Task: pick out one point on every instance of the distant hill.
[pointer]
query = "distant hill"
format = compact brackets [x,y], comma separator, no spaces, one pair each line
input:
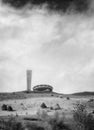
[83,94]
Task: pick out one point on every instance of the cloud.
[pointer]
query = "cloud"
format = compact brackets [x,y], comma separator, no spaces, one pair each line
[64,5]
[57,47]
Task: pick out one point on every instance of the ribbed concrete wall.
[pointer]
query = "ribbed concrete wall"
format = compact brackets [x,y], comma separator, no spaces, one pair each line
[29,79]
[43,88]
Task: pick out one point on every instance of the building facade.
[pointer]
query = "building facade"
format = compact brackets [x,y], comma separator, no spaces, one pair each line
[43,88]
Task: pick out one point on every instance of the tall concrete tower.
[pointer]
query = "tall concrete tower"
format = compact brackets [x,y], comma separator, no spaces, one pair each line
[29,77]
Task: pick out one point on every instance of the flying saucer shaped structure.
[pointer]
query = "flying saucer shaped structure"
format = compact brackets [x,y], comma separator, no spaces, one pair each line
[43,88]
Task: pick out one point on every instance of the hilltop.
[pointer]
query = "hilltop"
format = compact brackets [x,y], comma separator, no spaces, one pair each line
[86,93]
[25,95]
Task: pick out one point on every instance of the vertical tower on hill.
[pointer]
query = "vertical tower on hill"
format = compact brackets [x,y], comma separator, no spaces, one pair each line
[29,79]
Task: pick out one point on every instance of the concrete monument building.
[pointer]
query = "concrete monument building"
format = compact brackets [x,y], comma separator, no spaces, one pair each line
[29,79]
[43,88]
[38,88]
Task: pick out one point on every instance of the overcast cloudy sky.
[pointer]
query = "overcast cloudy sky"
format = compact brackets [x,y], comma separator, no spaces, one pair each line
[56,42]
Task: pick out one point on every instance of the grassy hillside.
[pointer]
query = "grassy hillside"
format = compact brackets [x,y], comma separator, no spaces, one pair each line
[25,94]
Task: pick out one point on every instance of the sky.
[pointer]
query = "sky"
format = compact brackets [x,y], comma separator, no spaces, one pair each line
[53,38]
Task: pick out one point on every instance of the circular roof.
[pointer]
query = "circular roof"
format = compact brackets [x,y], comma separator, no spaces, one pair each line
[43,87]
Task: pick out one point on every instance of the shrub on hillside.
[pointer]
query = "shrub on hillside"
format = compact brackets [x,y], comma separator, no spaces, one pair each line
[42,115]
[33,127]
[55,122]
[12,124]
[84,120]
[91,100]
[61,96]
[43,105]
[68,98]
[4,107]
[10,108]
